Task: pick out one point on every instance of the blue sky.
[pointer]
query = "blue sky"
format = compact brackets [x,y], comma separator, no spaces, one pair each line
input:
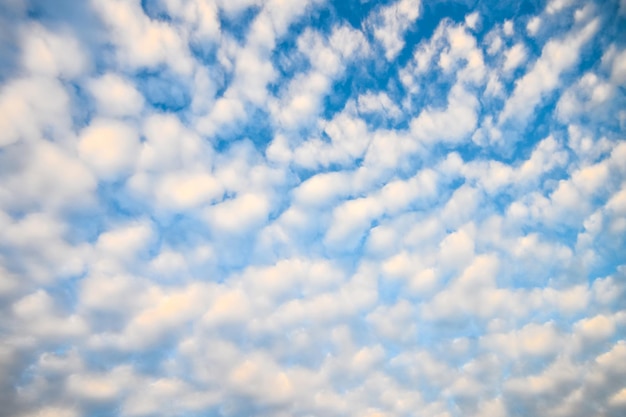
[312,208]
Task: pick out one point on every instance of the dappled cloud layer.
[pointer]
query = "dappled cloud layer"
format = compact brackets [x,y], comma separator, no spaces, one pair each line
[312,208]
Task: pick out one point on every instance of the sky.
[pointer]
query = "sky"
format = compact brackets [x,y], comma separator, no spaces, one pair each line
[312,208]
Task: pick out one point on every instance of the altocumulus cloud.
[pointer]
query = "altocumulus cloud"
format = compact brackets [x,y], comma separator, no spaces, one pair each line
[312,208]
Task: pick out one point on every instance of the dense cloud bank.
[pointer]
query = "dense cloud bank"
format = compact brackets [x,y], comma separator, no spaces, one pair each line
[312,208]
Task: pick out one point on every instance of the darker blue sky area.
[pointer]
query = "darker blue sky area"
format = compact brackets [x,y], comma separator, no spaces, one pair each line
[164,91]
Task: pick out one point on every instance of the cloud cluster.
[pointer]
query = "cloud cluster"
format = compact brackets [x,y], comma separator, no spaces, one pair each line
[296,208]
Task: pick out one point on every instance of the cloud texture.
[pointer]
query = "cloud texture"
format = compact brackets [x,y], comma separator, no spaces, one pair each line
[312,208]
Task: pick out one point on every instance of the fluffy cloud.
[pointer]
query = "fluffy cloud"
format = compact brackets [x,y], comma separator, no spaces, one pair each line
[557,56]
[109,147]
[116,96]
[390,23]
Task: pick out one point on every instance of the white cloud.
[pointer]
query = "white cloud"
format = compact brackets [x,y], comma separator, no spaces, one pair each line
[514,57]
[507,28]
[142,42]
[352,218]
[323,188]
[252,68]
[472,20]
[356,295]
[225,112]
[618,400]
[39,318]
[301,100]
[116,96]
[457,248]
[425,52]
[104,291]
[201,17]
[174,167]
[531,340]
[239,214]
[394,322]
[555,6]
[453,124]
[304,277]
[109,147]
[92,387]
[169,145]
[50,178]
[557,56]
[493,175]
[598,327]
[30,106]
[455,48]
[378,103]
[390,23]
[50,54]
[533,25]
[349,139]
[570,200]
[44,254]
[590,94]
[188,190]
[165,313]
[124,242]
[50,411]
[618,69]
